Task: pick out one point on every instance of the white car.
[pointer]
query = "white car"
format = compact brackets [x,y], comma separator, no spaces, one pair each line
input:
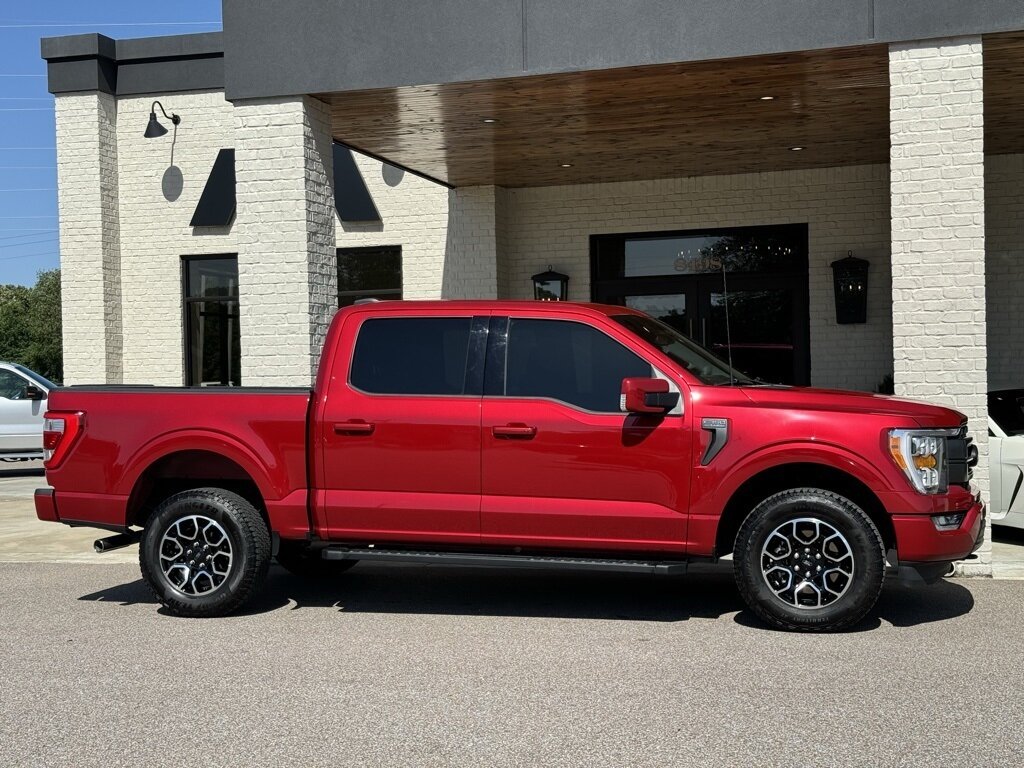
[23,395]
[1006,456]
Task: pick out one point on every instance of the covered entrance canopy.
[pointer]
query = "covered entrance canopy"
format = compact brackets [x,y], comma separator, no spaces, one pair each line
[661,121]
[810,109]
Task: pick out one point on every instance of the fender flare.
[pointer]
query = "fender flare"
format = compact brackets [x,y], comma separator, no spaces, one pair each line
[199,440]
[828,455]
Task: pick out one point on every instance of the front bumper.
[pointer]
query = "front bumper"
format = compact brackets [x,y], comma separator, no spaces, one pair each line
[918,541]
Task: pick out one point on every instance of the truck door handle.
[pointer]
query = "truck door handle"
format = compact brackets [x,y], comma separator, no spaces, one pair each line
[354,427]
[522,431]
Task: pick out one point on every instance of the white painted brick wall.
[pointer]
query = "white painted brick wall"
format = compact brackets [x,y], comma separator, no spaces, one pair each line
[87,203]
[937,168]
[155,216]
[285,232]
[471,254]
[414,215]
[845,208]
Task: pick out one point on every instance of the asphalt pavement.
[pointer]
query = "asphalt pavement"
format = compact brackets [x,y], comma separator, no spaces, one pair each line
[431,665]
[434,665]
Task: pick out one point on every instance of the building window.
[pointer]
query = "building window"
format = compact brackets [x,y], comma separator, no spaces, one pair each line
[369,273]
[741,292]
[212,339]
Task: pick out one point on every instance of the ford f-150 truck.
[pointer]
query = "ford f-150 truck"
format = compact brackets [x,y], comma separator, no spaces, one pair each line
[525,434]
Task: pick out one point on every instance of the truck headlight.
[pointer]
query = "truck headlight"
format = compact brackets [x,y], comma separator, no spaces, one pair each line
[921,454]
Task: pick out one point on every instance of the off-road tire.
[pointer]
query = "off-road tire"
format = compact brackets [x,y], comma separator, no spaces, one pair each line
[250,545]
[861,535]
[297,558]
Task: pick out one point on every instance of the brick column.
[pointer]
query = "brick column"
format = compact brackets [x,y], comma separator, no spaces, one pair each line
[90,248]
[287,267]
[938,233]
[475,215]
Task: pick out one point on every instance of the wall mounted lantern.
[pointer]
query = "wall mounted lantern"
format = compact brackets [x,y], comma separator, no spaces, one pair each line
[850,277]
[550,286]
[154,128]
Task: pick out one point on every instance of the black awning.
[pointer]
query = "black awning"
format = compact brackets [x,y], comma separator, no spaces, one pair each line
[216,207]
[351,197]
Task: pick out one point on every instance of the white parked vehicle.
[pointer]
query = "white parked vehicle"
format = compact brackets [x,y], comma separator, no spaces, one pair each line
[1006,456]
[23,395]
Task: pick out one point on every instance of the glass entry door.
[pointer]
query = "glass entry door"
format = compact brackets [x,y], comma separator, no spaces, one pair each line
[740,293]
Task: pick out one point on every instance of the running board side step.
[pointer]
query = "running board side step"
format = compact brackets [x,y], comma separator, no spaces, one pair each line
[506,561]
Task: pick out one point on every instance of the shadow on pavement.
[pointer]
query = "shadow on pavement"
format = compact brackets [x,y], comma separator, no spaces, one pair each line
[549,594]
[21,469]
[1007,535]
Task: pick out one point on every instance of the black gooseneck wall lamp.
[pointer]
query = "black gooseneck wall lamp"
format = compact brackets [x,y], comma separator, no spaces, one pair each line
[154,128]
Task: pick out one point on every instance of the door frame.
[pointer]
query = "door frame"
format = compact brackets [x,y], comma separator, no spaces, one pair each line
[698,287]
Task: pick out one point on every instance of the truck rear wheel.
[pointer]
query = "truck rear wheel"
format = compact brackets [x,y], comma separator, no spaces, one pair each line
[204,552]
[810,560]
[297,558]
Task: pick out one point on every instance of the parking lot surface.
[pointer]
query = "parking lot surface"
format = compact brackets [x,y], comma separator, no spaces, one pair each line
[429,665]
[417,665]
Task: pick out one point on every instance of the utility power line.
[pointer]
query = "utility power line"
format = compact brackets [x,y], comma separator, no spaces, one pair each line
[16,74]
[49,239]
[28,256]
[35,233]
[26,109]
[31,189]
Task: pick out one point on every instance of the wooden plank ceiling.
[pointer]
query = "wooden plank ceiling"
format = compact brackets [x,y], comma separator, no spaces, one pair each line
[638,123]
[1004,93]
[663,121]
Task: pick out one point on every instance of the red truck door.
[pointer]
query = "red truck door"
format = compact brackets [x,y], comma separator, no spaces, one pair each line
[562,465]
[399,429]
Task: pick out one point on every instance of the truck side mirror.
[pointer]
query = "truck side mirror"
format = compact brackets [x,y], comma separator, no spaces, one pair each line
[640,395]
[32,392]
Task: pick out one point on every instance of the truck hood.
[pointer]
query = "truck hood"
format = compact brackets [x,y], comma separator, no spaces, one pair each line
[843,401]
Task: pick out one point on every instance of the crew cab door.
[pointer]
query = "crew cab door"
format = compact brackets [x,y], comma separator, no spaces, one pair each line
[399,429]
[21,419]
[563,467]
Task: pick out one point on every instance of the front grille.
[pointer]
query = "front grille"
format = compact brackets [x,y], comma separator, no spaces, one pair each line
[962,456]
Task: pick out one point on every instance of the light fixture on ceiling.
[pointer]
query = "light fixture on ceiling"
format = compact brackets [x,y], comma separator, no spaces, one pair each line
[567,165]
[489,120]
[796,149]
[767,98]
[154,128]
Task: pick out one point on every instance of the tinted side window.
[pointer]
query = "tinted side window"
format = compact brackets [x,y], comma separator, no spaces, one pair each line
[411,356]
[570,362]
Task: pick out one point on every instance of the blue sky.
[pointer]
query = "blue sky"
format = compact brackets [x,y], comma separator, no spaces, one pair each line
[28,169]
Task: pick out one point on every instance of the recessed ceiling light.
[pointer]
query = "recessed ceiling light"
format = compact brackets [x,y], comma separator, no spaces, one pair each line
[796,149]
[767,98]
[490,120]
[567,165]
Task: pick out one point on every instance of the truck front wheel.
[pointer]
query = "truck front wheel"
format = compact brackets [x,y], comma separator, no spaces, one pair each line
[204,552]
[809,559]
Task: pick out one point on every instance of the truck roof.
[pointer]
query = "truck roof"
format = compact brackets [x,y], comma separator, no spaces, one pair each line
[494,305]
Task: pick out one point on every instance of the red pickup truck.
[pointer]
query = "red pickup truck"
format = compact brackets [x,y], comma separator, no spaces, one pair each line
[522,434]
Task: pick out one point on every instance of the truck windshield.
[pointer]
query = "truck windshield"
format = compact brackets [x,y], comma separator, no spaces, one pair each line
[47,384]
[691,356]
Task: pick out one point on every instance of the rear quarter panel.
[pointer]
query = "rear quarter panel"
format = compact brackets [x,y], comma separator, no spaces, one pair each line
[126,430]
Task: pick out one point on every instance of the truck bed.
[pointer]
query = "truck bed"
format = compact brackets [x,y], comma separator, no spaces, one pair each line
[127,429]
